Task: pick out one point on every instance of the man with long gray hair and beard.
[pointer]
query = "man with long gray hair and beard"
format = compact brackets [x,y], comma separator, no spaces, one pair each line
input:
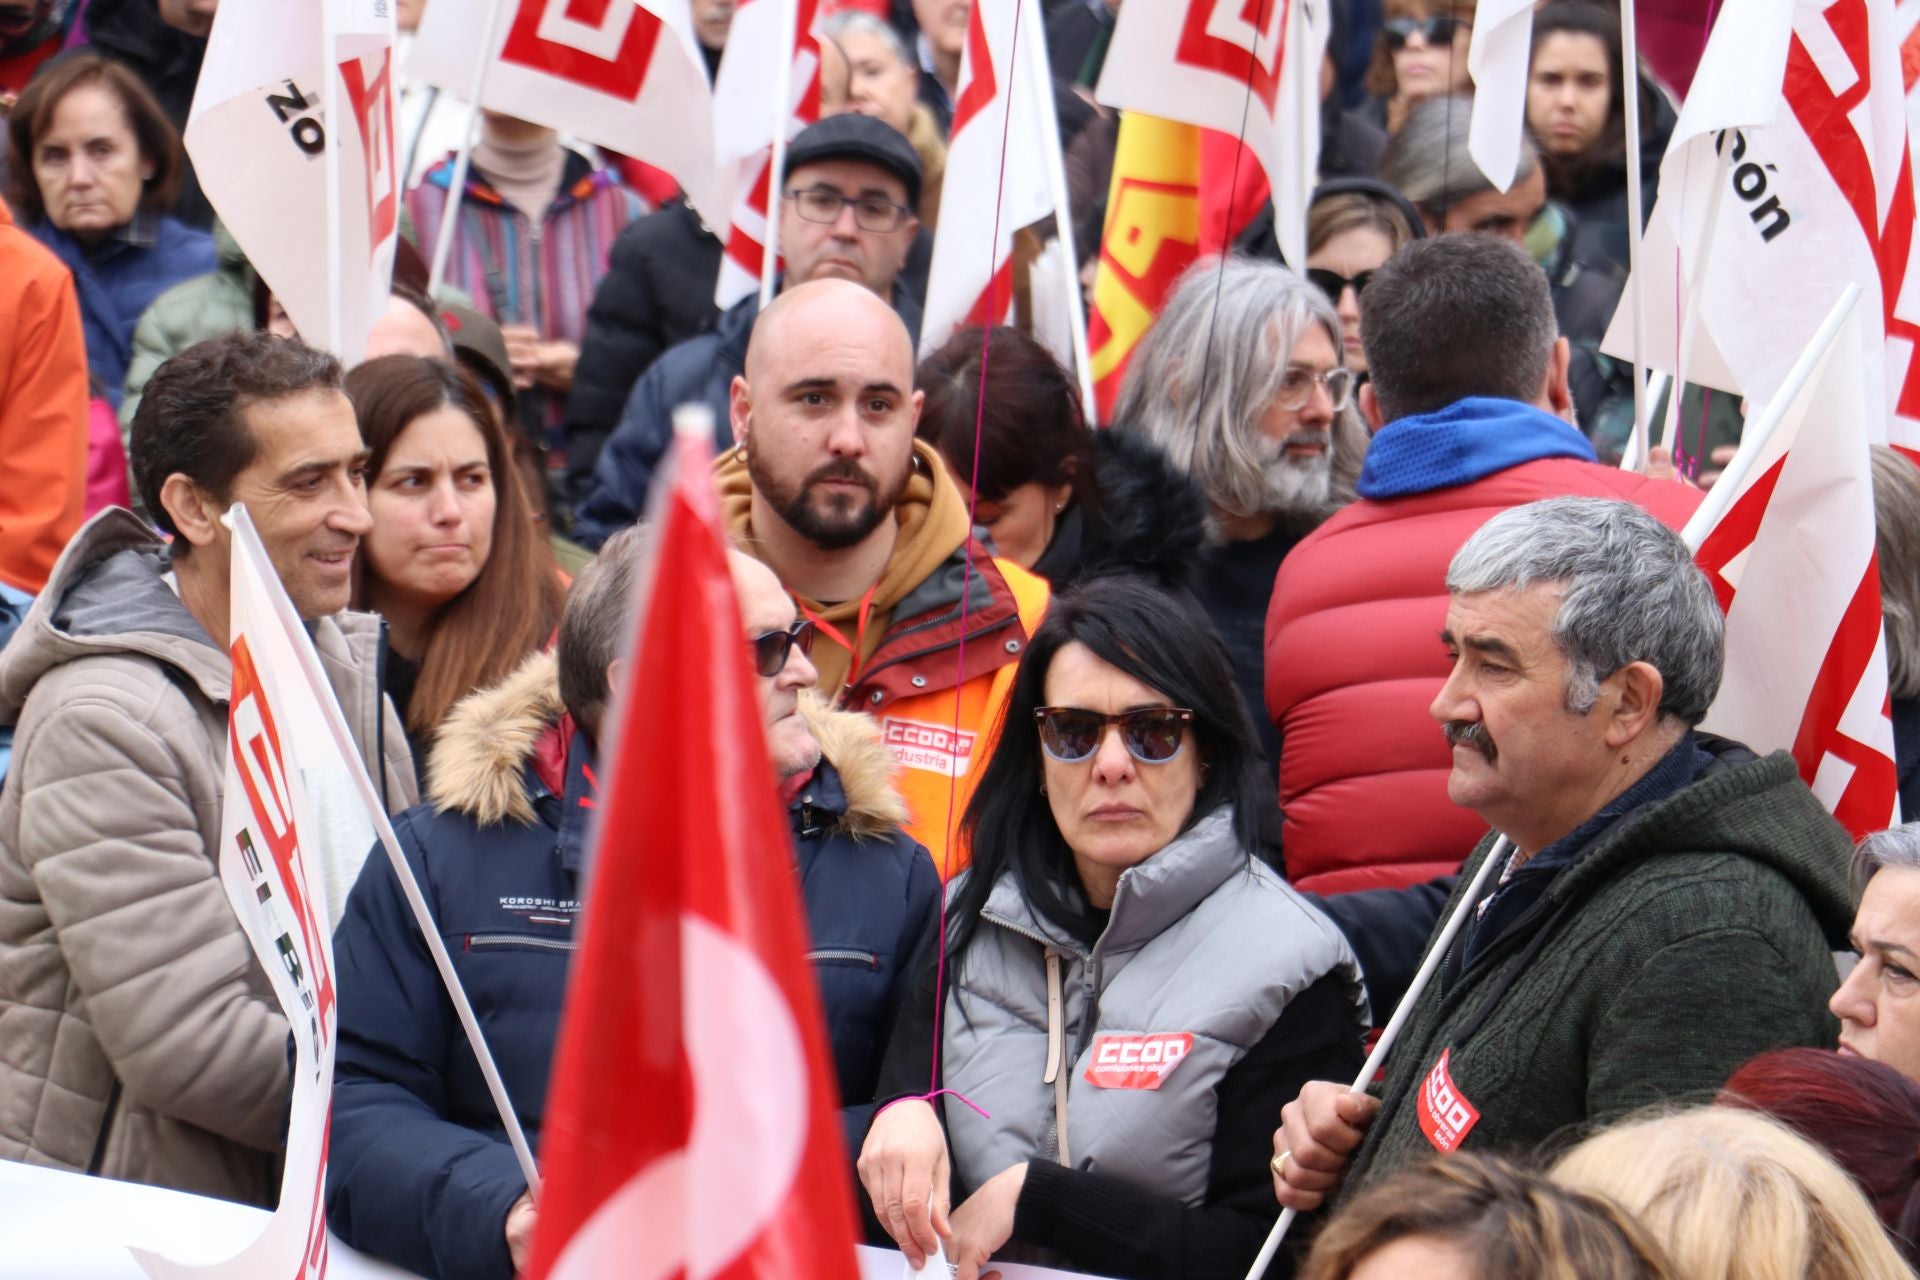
[1241,383]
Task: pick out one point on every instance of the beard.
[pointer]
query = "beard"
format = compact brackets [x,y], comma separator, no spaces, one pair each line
[1470,733]
[1297,486]
[832,521]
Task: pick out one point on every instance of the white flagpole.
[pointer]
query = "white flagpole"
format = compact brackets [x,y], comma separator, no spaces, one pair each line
[1760,428]
[777,162]
[242,525]
[330,99]
[1042,85]
[463,158]
[1428,967]
[1630,82]
[1696,290]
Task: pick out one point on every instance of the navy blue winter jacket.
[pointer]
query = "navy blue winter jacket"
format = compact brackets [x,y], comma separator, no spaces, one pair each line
[420,1171]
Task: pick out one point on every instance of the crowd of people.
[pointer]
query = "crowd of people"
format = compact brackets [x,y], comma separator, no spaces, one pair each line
[1132,767]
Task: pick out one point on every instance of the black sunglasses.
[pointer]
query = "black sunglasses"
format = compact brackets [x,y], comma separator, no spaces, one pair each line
[1333,284]
[1436,30]
[770,648]
[1153,735]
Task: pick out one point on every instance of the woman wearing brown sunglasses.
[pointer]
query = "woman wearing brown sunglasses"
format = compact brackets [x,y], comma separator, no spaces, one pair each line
[1130,989]
[1420,53]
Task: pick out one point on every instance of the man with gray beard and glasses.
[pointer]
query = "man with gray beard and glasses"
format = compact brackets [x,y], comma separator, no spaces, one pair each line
[1240,383]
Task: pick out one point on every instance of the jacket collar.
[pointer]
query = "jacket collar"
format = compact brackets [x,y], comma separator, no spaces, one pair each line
[481,759]
[852,792]
[1468,440]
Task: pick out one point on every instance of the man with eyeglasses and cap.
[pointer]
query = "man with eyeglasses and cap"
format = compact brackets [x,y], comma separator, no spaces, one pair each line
[848,211]
[421,1173]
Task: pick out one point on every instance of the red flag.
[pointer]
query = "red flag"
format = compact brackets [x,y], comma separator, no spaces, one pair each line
[692,1125]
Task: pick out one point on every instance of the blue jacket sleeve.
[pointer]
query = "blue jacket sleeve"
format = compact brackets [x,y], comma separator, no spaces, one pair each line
[403,1183]
[624,471]
[1389,930]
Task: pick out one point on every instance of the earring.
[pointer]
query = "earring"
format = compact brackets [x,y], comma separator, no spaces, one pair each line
[1043,788]
[1060,506]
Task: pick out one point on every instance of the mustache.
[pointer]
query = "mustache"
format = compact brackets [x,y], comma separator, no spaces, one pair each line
[1470,733]
[846,471]
[1319,439]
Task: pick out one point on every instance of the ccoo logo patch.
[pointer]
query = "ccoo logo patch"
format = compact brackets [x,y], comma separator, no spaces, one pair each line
[1446,1117]
[1137,1062]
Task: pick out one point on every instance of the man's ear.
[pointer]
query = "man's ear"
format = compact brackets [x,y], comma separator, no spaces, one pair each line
[739,408]
[1370,408]
[193,511]
[1635,705]
[1556,396]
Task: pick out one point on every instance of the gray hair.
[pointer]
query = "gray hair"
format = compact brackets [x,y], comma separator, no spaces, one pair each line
[857,22]
[593,626]
[1428,162]
[1629,592]
[1204,374]
[1896,520]
[1897,847]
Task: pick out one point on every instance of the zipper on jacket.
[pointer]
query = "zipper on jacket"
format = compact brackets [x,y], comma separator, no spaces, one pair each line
[380,715]
[477,941]
[833,955]
[99,1156]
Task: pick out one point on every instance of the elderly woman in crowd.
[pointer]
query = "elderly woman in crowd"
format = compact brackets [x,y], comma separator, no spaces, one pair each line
[1866,1115]
[1878,1002]
[1474,1217]
[1733,1193]
[1353,226]
[1132,993]
[1421,53]
[95,168]
[454,562]
[1056,497]
[1241,382]
[883,82]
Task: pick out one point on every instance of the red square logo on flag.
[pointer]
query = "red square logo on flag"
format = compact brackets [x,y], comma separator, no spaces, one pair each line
[1137,1062]
[1446,1117]
[1240,39]
[604,45]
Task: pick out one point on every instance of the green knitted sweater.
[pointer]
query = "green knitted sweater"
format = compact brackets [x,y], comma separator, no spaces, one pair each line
[1694,933]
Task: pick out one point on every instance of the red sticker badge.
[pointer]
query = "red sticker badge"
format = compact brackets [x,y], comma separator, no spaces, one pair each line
[1446,1117]
[1136,1062]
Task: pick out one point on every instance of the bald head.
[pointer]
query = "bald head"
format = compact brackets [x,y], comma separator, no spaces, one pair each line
[821,311]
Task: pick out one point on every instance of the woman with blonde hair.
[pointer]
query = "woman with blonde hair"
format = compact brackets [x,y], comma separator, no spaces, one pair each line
[1471,1217]
[1736,1194]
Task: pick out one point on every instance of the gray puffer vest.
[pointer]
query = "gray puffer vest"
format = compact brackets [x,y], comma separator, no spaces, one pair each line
[1126,1042]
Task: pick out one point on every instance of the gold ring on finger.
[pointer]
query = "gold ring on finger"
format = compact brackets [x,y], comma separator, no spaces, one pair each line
[1279,1164]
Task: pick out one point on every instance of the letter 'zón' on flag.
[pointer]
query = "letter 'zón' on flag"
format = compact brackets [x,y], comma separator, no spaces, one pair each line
[986,197]
[1798,110]
[692,1127]
[258,138]
[1248,68]
[1497,59]
[271,864]
[1789,549]
[1152,236]
[744,113]
[620,75]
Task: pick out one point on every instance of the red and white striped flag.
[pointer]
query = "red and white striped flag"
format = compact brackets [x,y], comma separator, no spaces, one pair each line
[745,109]
[996,180]
[1788,545]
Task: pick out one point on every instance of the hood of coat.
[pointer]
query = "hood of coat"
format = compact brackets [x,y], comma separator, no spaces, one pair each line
[107,595]
[1151,518]
[480,759]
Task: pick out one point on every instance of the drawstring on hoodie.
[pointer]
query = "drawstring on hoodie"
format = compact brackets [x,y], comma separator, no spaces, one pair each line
[1057,1053]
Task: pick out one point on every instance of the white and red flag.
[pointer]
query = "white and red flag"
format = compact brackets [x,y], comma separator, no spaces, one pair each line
[262,146]
[284,861]
[997,168]
[1247,68]
[1798,117]
[691,1129]
[621,75]
[746,107]
[1787,540]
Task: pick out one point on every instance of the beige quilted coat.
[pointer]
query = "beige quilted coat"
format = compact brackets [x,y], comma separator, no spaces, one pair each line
[138,1037]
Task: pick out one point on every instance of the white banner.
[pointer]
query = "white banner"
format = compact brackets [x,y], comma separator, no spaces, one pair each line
[260,142]
[1497,59]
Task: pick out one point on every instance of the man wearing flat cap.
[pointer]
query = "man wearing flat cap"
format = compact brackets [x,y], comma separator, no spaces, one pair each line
[849,198]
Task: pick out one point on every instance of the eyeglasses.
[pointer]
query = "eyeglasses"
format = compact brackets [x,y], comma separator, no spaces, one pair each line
[1436,30]
[1333,284]
[1296,388]
[770,648]
[870,213]
[1152,735]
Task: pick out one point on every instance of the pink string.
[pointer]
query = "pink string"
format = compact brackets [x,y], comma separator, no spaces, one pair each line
[929,1097]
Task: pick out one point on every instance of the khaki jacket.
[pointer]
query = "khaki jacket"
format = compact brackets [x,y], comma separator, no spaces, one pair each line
[139,1038]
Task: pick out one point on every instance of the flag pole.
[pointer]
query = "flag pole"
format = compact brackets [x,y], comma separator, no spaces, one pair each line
[1062,213]
[463,159]
[1696,290]
[1428,967]
[1760,429]
[1636,286]
[777,162]
[336,137]
[242,524]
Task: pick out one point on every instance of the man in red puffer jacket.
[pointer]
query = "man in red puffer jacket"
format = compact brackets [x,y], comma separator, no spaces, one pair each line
[1470,404]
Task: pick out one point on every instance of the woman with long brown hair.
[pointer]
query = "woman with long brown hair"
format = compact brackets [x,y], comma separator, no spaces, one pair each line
[455,562]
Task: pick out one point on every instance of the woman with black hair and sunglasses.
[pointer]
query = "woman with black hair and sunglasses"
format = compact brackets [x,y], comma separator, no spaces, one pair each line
[1129,990]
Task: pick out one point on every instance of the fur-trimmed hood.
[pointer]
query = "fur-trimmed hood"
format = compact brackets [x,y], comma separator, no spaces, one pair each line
[481,755]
